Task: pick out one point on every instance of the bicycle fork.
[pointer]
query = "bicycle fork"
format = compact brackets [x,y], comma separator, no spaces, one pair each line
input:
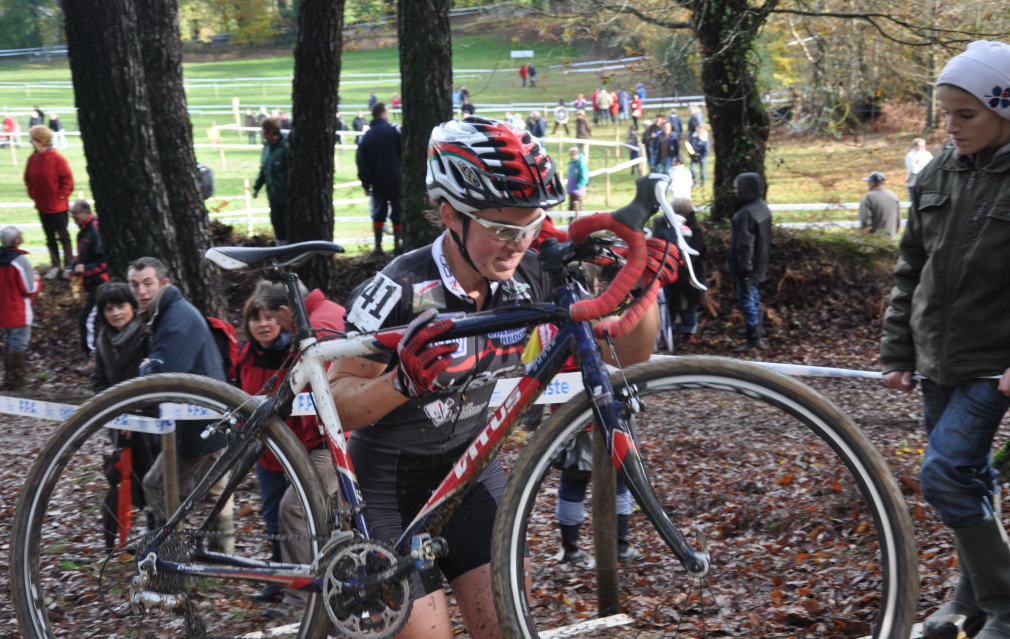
[618,407]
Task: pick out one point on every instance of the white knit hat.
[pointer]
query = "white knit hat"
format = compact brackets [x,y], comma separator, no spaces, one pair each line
[983,70]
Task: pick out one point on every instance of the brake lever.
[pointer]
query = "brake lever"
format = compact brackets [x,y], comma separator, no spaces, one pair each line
[676,221]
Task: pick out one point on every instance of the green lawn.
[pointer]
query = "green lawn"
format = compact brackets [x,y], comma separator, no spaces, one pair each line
[800,170]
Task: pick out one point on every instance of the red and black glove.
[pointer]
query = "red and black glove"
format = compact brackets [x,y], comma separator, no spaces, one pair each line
[658,260]
[664,259]
[420,365]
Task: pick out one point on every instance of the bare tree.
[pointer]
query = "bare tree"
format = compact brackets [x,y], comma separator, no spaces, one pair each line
[726,32]
[313,136]
[118,133]
[158,26]
[426,84]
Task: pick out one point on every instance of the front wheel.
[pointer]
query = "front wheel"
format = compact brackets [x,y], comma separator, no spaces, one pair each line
[806,528]
[74,540]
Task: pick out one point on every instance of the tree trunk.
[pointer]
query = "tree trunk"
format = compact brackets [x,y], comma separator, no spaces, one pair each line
[726,31]
[117,131]
[426,85]
[158,26]
[313,135]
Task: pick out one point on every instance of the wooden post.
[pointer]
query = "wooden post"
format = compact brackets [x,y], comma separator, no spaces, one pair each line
[605,528]
[607,200]
[171,473]
[248,207]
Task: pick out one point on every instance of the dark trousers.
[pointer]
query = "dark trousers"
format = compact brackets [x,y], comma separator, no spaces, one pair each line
[279,219]
[55,227]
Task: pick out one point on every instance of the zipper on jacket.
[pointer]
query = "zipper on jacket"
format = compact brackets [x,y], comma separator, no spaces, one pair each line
[959,227]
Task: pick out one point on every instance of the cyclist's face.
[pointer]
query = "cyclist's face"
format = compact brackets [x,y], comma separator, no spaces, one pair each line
[264,328]
[971,126]
[496,259]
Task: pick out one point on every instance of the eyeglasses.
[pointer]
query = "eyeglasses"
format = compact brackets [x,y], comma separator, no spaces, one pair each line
[510,232]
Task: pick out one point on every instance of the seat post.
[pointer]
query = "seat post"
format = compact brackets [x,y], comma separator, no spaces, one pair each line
[303,329]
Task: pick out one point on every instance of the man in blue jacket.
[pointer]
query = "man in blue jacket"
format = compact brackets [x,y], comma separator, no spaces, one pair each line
[378,159]
[181,342]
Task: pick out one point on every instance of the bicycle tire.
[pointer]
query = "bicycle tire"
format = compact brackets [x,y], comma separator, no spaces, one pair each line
[71,583]
[810,537]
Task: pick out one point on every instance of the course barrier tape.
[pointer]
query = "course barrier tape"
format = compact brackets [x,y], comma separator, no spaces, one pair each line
[562,388]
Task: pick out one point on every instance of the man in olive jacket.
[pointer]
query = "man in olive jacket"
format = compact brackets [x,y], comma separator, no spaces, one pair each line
[274,174]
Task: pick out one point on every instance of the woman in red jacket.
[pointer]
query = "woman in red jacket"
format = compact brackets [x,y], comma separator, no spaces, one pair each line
[259,358]
[50,183]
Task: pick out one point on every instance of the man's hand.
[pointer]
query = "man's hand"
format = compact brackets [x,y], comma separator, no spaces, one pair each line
[901,380]
[256,192]
[420,365]
[1004,383]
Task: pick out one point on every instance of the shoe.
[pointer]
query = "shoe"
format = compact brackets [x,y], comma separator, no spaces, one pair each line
[628,554]
[574,557]
[984,556]
[86,368]
[270,592]
[689,339]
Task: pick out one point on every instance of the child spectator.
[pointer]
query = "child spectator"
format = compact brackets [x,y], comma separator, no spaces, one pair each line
[18,287]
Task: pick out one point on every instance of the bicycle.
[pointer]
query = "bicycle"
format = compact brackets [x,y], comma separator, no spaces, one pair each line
[818,541]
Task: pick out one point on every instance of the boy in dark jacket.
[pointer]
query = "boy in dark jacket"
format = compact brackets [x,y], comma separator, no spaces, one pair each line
[90,266]
[747,260]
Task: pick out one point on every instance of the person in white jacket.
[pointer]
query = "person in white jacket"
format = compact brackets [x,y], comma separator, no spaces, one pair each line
[915,161]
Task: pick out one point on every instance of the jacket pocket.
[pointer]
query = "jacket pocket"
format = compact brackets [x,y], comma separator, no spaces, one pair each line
[1000,211]
[931,201]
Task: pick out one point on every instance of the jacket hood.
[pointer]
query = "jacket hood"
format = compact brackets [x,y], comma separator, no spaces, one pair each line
[9,254]
[749,188]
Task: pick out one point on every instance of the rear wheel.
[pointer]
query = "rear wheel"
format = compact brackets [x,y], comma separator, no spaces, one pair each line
[806,528]
[71,578]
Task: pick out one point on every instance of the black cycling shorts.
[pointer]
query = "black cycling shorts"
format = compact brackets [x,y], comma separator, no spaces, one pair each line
[395,487]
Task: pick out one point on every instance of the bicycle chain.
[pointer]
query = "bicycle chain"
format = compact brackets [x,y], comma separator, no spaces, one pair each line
[193,622]
[254,536]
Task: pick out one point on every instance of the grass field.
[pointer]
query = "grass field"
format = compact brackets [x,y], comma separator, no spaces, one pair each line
[800,170]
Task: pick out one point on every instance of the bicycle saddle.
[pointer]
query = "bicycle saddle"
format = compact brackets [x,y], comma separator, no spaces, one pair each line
[236,258]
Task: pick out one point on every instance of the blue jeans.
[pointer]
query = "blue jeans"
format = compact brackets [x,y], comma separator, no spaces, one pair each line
[748,301]
[273,483]
[663,165]
[698,168]
[957,476]
[18,337]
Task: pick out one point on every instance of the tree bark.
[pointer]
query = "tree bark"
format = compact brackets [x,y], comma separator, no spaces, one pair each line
[158,26]
[426,84]
[313,134]
[117,131]
[726,30]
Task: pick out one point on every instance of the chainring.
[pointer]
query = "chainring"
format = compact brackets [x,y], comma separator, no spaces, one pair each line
[378,615]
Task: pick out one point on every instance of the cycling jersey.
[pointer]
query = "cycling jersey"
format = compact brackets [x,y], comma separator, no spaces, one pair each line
[401,458]
[419,280]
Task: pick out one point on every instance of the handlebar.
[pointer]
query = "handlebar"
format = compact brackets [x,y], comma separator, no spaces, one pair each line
[628,223]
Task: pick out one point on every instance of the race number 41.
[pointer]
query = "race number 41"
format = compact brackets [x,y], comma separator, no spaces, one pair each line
[375,303]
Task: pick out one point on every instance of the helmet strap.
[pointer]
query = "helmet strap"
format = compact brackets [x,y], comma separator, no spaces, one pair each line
[461,245]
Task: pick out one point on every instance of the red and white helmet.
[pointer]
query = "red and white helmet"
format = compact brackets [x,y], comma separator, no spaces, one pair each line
[481,163]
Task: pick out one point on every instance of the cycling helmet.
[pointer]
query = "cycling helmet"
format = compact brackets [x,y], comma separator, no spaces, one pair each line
[480,163]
